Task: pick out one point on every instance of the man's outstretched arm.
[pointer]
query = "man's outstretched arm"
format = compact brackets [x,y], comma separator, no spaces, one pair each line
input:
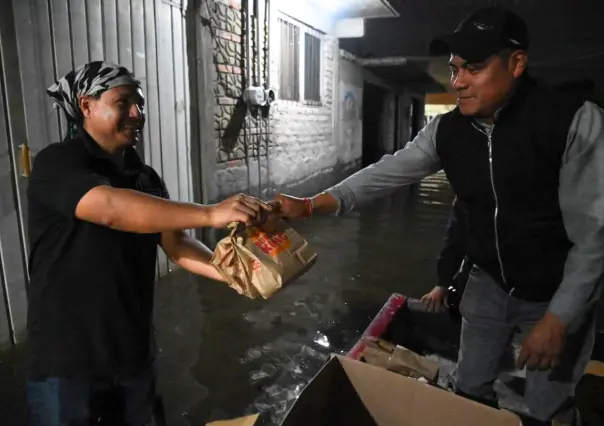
[65,184]
[408,165]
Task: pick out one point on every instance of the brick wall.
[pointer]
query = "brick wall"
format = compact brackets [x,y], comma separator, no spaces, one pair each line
[293,148]
[242,136]
[304,152]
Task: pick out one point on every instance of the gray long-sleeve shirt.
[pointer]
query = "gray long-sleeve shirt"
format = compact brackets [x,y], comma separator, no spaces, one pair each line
[581,194]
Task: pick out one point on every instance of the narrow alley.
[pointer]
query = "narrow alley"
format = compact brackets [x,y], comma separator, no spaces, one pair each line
[269,97]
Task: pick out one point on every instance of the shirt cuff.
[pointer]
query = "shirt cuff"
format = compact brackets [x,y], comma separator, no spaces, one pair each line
[562,311]
[344,197]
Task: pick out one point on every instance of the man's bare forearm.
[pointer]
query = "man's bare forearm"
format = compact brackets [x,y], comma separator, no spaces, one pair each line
[409,165]
[194,256]
[132,211]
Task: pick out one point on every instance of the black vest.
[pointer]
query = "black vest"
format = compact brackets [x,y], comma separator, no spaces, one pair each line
[508,186]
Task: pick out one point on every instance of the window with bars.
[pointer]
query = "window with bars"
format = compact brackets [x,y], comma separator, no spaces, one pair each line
[289,63]
[299,63]
[312,68]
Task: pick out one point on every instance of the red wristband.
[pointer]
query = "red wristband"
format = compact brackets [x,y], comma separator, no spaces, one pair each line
[309,207]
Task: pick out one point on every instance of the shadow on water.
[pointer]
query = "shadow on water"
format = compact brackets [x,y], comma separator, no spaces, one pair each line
[222,355]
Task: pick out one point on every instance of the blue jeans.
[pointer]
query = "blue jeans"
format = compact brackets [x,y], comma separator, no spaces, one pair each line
[490,318]
[56,401]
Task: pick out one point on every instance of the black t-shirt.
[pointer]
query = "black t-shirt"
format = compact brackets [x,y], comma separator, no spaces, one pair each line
[91,287]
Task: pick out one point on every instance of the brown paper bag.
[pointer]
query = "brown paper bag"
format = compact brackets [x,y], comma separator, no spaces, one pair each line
[259,260]
[408,363]
[398,359]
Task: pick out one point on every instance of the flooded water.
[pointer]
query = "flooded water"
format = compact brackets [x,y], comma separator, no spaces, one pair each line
[225,356]
[222,355]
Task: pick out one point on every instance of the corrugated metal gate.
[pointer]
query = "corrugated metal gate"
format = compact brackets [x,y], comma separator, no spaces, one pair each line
[44,39]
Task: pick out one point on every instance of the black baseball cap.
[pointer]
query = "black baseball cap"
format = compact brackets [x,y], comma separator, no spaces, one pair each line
[482,34]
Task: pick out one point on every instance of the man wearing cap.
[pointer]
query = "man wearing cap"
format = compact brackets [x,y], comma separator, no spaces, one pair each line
[527,166]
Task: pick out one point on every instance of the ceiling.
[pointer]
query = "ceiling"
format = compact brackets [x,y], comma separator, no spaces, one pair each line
[567,38]
[365,8]
[348,9]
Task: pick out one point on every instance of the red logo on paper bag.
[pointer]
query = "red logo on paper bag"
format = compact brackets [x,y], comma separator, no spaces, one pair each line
[272,244]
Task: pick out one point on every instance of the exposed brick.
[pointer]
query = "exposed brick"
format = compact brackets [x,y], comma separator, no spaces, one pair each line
[226,101]
[233,163]
[235,4]
[302,135]
[295,144]
[223,34]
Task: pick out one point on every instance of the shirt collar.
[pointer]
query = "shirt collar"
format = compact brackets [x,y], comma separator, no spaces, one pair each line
[131,158]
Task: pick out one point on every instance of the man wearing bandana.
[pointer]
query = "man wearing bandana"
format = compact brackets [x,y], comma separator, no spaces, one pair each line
[96,216]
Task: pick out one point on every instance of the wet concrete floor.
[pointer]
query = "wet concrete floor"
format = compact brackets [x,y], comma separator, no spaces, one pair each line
[223,355]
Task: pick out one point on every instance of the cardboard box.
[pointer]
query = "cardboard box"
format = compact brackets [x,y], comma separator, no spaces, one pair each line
[352,393]
[595,368]
[242,421]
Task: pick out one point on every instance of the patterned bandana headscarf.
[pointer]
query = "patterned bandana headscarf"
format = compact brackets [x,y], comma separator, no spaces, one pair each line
[88,80]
